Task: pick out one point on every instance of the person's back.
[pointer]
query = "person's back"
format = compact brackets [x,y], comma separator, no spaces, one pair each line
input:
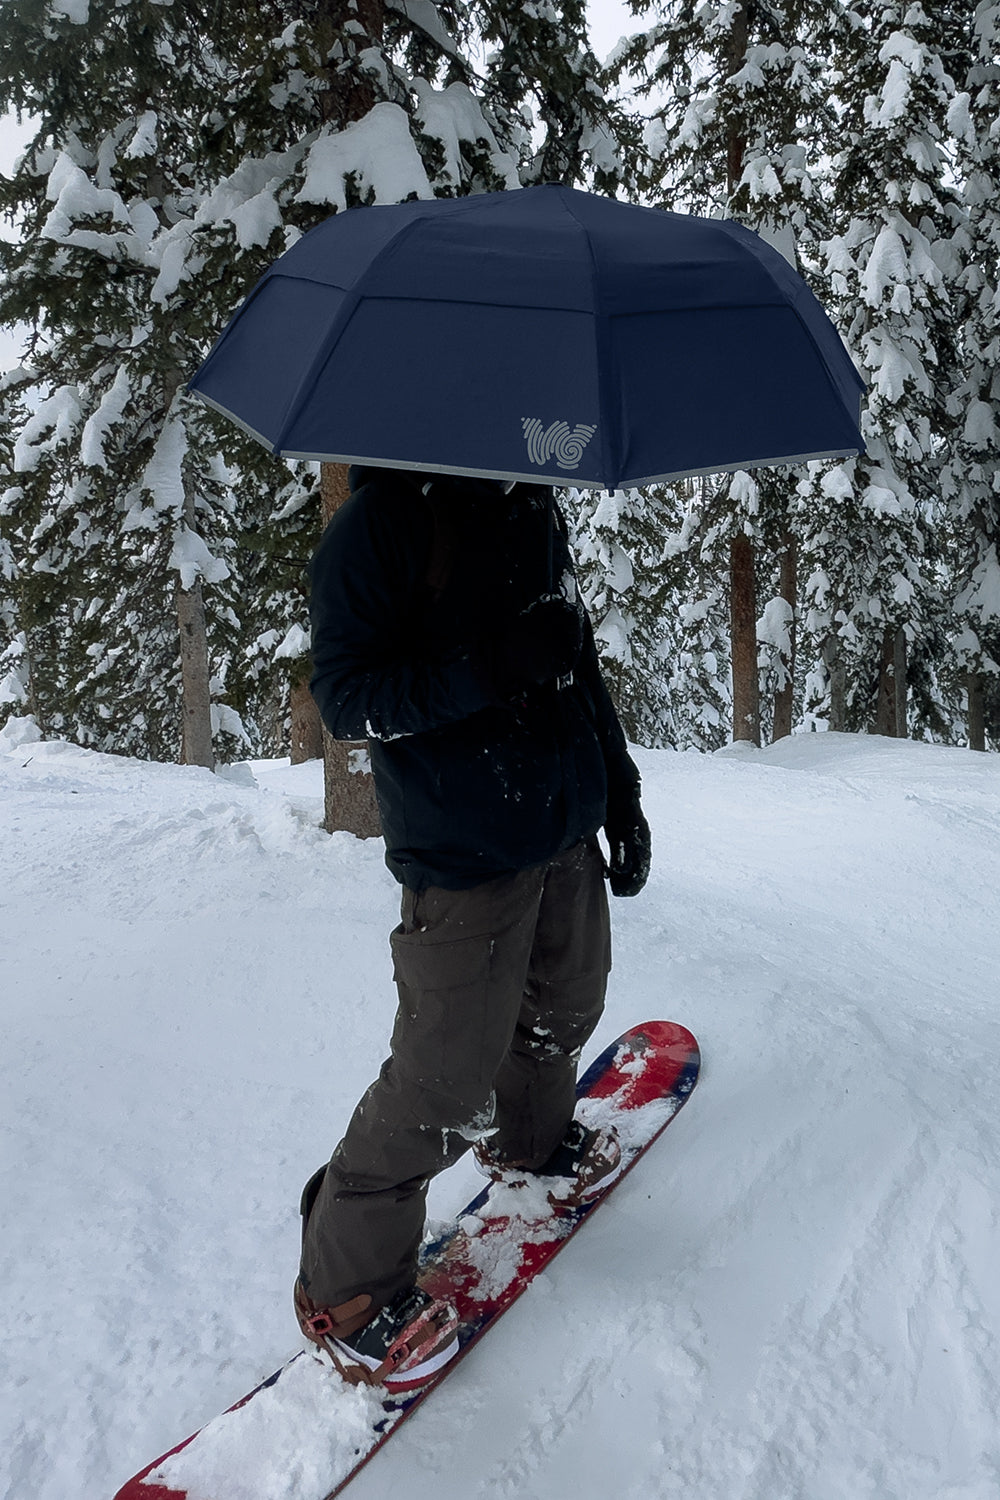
[487,758]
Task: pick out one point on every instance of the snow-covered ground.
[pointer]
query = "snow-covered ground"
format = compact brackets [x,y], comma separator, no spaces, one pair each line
[796,1298]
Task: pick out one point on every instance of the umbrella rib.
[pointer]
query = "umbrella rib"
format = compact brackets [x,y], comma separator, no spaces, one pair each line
[610,460]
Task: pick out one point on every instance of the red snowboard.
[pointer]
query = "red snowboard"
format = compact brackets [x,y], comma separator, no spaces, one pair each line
[303,1433]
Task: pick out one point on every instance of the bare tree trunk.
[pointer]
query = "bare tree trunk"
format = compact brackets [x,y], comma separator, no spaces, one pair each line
[834,664]
[784,698]
[737,55]
[196,697]
[742,584]
[306,729]
[900,684]
[349,789]
[885,706]
[977,710]
[891,708]
[348,783]
[196,691]
[29,631]
[743,632]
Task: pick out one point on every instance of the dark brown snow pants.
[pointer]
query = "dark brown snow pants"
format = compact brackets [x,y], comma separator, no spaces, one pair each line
[499,988]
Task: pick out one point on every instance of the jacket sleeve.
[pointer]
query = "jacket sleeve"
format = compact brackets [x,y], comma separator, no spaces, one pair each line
[366,580]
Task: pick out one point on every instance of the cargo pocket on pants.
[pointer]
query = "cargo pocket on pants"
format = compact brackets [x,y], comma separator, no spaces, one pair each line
[442,1036]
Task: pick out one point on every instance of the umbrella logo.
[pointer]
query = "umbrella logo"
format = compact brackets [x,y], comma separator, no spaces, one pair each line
[558,440]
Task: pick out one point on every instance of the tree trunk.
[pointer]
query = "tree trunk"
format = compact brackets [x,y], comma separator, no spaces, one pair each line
[349,789]
[742,585]
[306,729]
[349,786]
[784,698]
[838,683]
[885,707]
[196,677]
[29,632]
[196,697]
[739,36]
[355,26]
[899,684]
[977,710]
[743,632]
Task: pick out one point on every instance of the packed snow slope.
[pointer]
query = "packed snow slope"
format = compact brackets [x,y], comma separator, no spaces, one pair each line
[797,1295]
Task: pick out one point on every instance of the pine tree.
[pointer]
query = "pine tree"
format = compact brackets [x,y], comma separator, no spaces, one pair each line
[170,167]
[119,477]
[544,72]
[695,605]
[647,563]
[178,153]
[16,644]
[742,118]
[972,475]
[874,596]
[618,543]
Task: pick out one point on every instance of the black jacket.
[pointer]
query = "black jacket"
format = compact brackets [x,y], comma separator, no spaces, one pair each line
[412,576]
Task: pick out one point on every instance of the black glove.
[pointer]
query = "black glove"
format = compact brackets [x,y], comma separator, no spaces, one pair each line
[541,643]
[631,846]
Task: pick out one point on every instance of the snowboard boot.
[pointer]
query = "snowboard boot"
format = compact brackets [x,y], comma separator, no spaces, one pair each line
[400,1347]
[584,1163]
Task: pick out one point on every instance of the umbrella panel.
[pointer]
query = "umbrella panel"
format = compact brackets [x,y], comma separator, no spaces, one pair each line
[434,263]
[536,250]
[257,368]
[442,385]
[721,388]
[437,385]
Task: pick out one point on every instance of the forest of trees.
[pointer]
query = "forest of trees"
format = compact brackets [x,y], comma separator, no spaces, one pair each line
[152,559]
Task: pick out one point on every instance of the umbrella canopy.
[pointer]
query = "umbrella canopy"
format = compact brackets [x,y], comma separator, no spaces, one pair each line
[540,334]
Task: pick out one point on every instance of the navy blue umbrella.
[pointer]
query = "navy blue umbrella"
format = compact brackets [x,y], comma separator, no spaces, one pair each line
[541,334]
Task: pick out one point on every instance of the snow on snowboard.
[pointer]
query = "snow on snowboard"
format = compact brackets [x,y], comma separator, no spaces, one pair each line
[304,1433]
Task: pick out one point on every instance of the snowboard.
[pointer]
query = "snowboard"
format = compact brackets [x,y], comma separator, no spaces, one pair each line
[303,1433]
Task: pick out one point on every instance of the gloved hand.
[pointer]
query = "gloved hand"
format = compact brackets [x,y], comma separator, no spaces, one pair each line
[630,844]
[541,643]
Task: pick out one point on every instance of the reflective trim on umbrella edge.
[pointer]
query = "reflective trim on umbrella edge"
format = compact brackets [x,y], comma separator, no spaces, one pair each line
[560,481]
[747,463]
[238,421]
[564,481]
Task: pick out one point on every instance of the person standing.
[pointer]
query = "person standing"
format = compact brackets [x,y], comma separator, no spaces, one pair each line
[448,631]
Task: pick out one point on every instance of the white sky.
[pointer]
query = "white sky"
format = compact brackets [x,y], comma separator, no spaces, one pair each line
[12,139]
[609,21]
